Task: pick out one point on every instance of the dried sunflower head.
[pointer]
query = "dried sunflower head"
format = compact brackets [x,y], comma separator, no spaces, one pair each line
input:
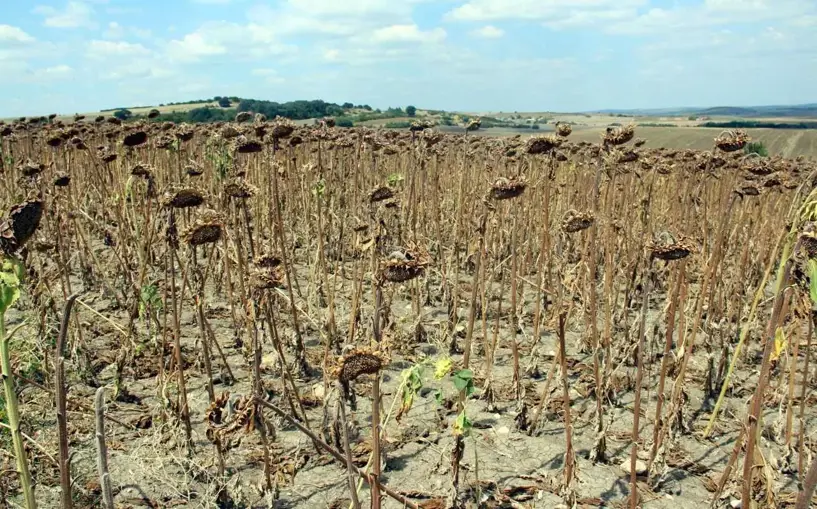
[30,168]
[229,131]
[358,362]
[627,156]
[62,180]
[180,198]
[249,147]
[282,128]
[243,116]
[267,260]
[263,278]
[141,170]
[21,223]
[542,144]
[206,230]
[380,193]
[574,221]
[135,139]
[619,135]
[507,188]
[732,141]
[404,265]
[239,189]
[666,247]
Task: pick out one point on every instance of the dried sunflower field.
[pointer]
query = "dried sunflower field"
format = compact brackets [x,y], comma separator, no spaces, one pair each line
[259,314]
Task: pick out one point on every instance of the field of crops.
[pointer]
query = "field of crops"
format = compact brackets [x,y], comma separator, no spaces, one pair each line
[265,314]
[779,142]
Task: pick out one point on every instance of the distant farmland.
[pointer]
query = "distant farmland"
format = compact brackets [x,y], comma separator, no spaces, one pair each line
[780,142]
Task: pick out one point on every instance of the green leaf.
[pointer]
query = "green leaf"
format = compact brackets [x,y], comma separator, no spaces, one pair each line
[412,383]
[438,396]
[812,276]
[11,276]
[393,179]
[462,425]
[464,381]
[319,188]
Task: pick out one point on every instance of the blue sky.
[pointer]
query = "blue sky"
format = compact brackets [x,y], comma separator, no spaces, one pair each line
[477,55]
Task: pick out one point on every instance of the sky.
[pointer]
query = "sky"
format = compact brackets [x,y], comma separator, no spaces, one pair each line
[59,56]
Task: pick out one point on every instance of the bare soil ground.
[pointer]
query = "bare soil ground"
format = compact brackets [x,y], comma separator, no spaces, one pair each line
[150,469]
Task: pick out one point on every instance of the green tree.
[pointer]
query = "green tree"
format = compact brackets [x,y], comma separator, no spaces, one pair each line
[411,110]
[123,114]
[344,122]
[347,106]
[224,102]
[756,147]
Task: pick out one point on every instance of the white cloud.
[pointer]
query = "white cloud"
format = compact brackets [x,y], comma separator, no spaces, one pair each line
[193,47]
[20,72]
[114,31]
[334,17]
[251,41]
[212,2]
[74,15]
[579,19]
[635,17]
[331,55]
[98,49]
[13,35]
[350,7]
[714,13]
[265,71]
[407,33]
[488,32]
[805,21]
[56,71]
[484,10]
[270,76]
[294,22]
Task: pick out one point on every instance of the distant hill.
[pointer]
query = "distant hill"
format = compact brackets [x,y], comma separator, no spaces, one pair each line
[796,110]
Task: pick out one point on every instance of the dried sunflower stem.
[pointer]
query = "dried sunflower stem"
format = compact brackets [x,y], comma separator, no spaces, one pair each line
[475,283]
[744,333]
[376,442]
[350,467]
[184,409]
[783,276]
[368,478]
[803,390]
[679,282]
[804,497]
[544,395]
[570,454]
[102,449]
[598,452]
[300,354]
[517,387]
[638,383]
[61,404]
[258,391]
